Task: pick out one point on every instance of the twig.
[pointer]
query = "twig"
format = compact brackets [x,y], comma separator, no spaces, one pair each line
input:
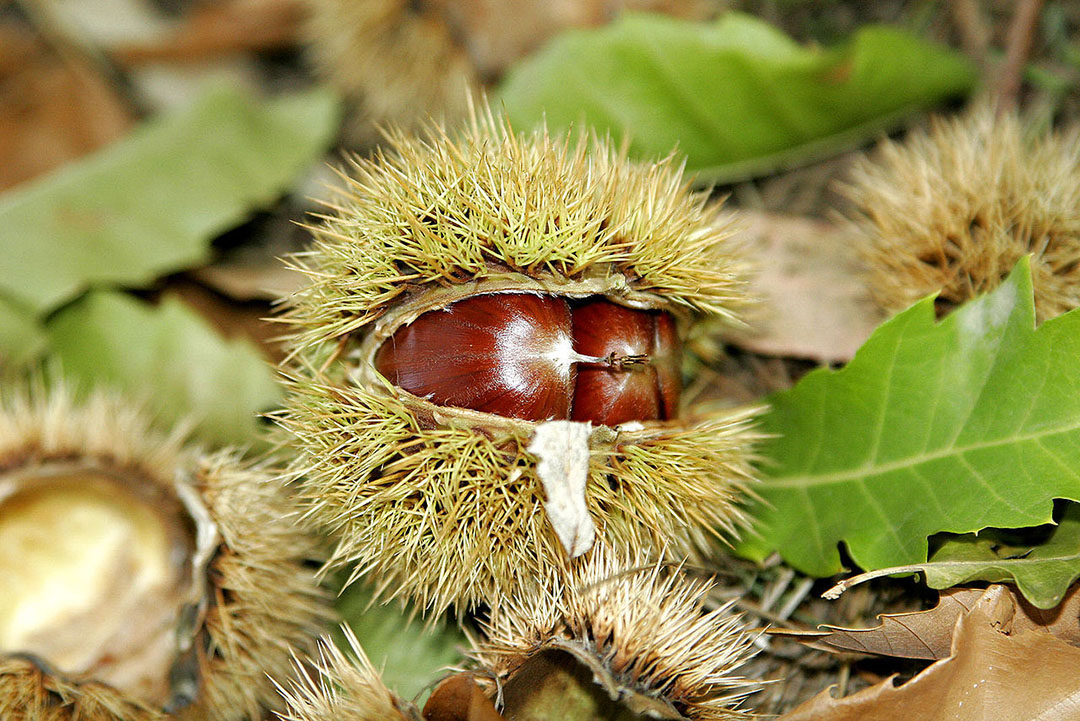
[834,593]
[796,598]
[974,33]
[1017,49]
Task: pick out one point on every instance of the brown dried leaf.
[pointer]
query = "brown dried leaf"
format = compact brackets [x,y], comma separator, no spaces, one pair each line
[816,304]
[1031,676]
[53,109]
[928,634]
[224,28]
[460,698]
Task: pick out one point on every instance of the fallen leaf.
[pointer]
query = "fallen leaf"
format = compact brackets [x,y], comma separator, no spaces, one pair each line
[21,336]
[460,698]
[935,426]
[233,320]
[410,654]
[170,356]
[1042,572]
[816,304]
[928,634]
[737,96]
[1031,676]
[151,203]
[53,108]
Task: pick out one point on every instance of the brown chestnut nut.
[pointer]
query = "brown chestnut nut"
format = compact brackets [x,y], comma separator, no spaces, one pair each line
[641,380]
[503,353]
[517,355]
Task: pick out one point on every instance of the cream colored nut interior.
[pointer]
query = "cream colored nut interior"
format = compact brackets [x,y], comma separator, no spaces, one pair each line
[94,572]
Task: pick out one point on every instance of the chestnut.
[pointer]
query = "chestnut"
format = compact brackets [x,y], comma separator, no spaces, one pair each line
[489,316]
[503,353]
[615,393]
[536,357]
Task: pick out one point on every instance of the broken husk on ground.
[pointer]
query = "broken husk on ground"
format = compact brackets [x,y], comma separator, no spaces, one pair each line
[142,579]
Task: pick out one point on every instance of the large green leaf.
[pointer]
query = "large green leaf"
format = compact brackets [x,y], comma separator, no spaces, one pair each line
[21,337]
[1043,572]
[957,426]
[151,203]
[412,655]
[737,96]
[168,355]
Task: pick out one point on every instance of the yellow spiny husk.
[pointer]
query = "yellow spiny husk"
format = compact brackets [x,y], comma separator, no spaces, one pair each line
[952,210]
[266,601]
[259,597]
[442,504]
[341,689]
[641,622]
[396,64]
[403,62]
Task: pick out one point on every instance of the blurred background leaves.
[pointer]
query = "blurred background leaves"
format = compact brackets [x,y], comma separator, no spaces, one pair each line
[737,97]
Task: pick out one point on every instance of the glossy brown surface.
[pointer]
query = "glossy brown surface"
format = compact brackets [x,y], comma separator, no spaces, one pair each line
[609,394]
[504,353]
[537,358]
[667,360]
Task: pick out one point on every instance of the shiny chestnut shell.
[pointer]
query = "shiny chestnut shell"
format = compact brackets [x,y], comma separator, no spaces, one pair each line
[496,353]
[539,357]
[610,394]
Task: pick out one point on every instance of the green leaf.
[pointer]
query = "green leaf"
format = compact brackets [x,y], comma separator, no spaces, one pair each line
[1043,573]
[956,426]
[410,654]
[151,203]
[168,355]
[737,96]
[21,337]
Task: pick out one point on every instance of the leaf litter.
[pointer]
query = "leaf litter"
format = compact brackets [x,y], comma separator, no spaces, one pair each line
[929,634]
[1029,675]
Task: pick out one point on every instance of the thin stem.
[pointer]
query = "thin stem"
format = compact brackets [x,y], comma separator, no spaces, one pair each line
[1017,49]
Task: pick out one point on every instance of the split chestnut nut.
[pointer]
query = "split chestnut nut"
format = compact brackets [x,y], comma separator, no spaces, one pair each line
[540,357]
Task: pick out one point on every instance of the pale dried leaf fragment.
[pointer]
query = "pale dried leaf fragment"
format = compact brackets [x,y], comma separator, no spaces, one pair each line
[562,449]
[1030,676]
[816,302]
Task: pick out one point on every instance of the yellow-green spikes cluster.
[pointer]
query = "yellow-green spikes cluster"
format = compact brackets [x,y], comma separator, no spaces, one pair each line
[952,209]
[638,630]
[493,206]
[337,688]
[444,504]
[450,515]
